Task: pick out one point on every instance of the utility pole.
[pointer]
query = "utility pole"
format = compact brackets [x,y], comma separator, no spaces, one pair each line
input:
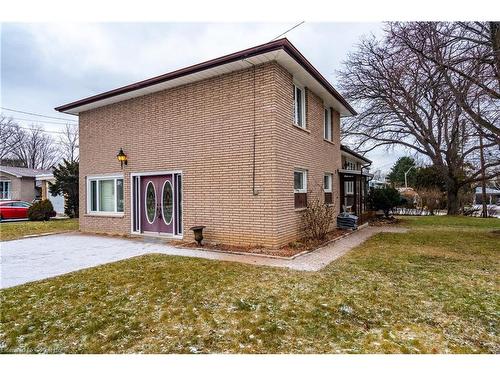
[483,175]
[406,174]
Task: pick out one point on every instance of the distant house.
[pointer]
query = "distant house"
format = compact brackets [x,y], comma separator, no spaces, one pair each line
[492,196]
[378,184]
[27,184]
[18,183]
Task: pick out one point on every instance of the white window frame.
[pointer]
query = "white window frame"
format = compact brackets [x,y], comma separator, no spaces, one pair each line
[327,124]
[330,178]
[295,107]
[7,196]
[350,165]
[304,187]
[349,187]
[89,197]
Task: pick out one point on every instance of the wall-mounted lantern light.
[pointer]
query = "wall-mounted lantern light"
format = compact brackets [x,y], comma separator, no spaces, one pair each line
[122,157]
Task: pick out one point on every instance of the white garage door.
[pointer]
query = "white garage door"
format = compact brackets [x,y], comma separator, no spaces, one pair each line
[58,203]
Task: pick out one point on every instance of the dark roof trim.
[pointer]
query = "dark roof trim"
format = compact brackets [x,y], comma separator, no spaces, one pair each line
[354,153]
[264,48]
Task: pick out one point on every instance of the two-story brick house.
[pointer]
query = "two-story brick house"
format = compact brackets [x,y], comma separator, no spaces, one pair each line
[237,144]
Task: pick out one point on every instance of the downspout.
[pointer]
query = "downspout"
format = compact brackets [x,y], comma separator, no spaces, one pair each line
[367,166]
[371,178]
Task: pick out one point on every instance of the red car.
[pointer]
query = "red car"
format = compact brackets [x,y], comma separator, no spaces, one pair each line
[14,210]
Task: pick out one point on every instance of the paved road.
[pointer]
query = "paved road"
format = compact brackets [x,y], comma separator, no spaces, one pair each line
[37,258]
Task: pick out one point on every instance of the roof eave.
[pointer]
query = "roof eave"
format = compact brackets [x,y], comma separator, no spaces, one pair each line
[347,150]
[283,44]
[12,174]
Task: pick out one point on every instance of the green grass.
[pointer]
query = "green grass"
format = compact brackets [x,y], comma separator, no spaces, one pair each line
[434,289]
[19,229]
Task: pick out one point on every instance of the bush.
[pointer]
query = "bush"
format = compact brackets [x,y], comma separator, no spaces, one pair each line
[41,211]
[317,219]
[384,199]
[432,199]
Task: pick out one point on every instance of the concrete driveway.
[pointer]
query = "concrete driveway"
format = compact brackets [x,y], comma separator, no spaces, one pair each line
[37,258]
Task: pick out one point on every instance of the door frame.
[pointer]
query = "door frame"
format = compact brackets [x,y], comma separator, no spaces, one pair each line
[132,207]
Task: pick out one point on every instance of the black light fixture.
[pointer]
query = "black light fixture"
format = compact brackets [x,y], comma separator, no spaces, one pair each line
[122,157]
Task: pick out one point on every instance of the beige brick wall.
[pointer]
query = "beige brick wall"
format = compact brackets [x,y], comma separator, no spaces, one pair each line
[206,129]
[304,149]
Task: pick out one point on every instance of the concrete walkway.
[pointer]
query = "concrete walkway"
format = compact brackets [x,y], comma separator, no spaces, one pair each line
[32,259]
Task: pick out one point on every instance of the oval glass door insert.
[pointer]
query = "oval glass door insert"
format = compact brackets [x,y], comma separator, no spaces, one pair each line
[167,202]
[150,205]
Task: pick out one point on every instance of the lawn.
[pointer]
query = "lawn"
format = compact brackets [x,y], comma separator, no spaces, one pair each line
[19,229]
[434,289]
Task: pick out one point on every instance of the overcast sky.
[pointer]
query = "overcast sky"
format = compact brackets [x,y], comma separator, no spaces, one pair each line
[46,65]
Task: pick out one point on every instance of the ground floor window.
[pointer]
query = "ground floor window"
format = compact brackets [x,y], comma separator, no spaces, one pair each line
[327,187]
[300,188]
[105,194]
[5,192]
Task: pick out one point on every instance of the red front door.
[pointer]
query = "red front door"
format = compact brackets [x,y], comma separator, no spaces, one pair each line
[157,204]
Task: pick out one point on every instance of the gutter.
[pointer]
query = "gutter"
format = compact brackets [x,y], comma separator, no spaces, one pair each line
[280,44]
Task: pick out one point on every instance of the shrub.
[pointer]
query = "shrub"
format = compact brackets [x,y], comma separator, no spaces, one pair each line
[384,199]
[470,211]
[66,175]
[317,219]
[432,199]
[41,211]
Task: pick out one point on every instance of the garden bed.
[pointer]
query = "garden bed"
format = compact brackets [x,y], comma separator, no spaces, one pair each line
[287,251]
[384,221]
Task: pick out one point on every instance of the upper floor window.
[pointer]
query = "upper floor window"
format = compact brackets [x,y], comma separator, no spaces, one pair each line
[300,188]
[327,134]
[299,106]
[327,187]
[350,165]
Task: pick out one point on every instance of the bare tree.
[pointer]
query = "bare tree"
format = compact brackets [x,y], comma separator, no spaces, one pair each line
[405,99]
[35,148]
[69,143]
[9,139]
[468,55]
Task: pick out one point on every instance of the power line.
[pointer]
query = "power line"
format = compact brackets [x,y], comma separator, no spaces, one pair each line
[43,121]
[42,130]
[297,25]
[37,114]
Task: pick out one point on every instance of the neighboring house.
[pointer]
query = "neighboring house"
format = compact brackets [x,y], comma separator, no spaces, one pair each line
[58,200]
[28,184]
[492,196]
[378,184]
[238,144]
[20,183]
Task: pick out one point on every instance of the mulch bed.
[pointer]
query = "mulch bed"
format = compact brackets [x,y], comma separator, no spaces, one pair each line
[384,221]
[288,250]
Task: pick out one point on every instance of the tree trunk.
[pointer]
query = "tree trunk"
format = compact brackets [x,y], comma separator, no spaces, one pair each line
[452,195]
[483,178]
